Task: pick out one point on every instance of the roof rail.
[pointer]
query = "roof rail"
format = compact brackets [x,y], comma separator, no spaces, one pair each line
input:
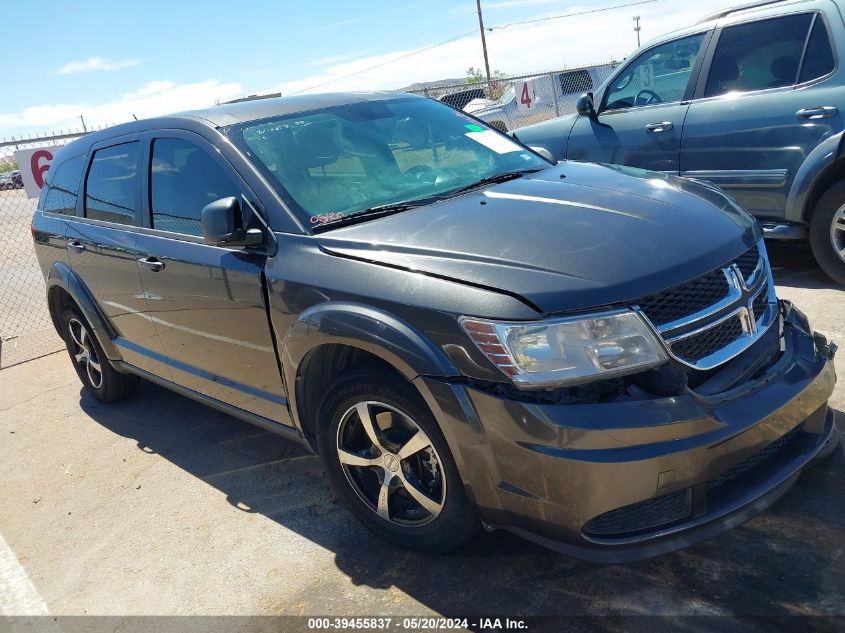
[740,7]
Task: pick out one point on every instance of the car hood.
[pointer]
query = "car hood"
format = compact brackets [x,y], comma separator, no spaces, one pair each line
[573,236]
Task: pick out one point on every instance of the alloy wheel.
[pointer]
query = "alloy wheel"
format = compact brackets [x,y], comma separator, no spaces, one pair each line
[837,232]
[391,464]
[84,352]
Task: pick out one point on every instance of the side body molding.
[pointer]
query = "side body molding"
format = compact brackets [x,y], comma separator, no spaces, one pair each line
[61,276]
[364,327]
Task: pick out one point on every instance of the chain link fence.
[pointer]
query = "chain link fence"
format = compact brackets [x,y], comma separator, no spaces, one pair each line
[26,330]
[511,102]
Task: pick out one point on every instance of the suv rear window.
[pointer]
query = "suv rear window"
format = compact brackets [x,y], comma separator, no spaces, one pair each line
[111,189]
[818,59]
[62,186]
[576,81]
[758,55]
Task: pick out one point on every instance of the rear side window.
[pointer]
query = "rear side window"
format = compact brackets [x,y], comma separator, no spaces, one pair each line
[758,55]
[818,59]
[112,184]
[576,81]
[62,186]
[183,180]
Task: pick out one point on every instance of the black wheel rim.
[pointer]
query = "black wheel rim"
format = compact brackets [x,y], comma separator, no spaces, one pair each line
[391,464]
[84,352]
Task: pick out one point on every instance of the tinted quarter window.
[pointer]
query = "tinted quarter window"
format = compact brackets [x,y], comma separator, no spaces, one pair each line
[183,179]
[818,59]
[62,186]
[112,184]
[758,55]
[660,75]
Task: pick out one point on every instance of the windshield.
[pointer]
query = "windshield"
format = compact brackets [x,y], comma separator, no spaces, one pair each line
[338,162]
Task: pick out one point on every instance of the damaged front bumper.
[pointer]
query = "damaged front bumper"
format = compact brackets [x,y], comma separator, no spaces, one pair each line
[633,478]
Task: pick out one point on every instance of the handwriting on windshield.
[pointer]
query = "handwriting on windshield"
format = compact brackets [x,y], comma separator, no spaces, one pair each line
[323,218]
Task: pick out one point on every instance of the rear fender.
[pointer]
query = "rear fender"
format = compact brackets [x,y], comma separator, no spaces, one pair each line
[813,170]
[62,277]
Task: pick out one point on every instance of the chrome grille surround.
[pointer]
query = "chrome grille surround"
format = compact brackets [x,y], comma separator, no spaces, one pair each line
[750,300]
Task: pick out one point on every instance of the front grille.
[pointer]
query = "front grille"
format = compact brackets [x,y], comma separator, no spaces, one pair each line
[703,305]
[760,302]
[701,345]
[689,298]
[747,262]
[661,512]
[642,516]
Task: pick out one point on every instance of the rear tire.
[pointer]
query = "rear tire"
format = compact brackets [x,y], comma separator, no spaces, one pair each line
[827,232]
[387,459]
[99,378]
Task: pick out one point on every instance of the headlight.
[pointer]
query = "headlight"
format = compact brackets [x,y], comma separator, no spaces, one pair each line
[561,351]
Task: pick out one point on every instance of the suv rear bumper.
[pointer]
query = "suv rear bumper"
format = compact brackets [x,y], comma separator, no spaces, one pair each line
[631,479]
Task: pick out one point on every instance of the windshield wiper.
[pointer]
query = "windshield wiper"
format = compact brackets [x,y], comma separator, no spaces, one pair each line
[494,179]
[368,214]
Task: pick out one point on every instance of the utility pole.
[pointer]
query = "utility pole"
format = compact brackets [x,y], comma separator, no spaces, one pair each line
[484,46]
[637,29]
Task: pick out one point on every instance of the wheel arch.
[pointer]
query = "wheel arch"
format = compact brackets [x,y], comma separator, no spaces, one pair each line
[823,167]
[63,284]
[331,338]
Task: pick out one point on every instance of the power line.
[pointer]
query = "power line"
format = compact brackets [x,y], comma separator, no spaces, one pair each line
[572,15]
[468,33]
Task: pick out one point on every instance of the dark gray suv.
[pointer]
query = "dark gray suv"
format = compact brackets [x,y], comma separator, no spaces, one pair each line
[751,99]
[591,356]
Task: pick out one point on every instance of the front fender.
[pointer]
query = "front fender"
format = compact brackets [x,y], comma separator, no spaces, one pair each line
[371,329]
[62,277]
[822,157]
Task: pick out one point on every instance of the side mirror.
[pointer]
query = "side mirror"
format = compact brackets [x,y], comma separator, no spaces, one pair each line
[542,151]
[222,225]
[585,106]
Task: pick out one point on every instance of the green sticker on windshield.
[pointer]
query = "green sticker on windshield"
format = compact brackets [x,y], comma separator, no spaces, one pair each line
[472,127]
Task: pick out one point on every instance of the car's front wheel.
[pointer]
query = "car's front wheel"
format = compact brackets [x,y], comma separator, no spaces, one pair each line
[827,232]
[95,371]
[388,461]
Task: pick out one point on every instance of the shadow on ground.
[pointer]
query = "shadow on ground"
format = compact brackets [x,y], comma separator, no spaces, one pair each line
[786,561]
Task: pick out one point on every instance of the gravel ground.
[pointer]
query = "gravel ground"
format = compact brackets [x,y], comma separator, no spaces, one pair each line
[158,505]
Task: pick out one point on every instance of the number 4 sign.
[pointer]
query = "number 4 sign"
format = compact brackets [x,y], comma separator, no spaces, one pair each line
[525,96]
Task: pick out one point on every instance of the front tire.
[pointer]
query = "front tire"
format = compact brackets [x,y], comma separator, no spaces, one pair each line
[387,459]
[827,232]
[99,378]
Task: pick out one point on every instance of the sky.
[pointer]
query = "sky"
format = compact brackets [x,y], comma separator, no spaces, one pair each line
[110,61]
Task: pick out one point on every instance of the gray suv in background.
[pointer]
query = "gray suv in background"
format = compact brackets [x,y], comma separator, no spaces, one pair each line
[750,99]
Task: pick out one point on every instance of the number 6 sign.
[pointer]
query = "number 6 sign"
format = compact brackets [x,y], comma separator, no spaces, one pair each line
[525,96]
[34,164]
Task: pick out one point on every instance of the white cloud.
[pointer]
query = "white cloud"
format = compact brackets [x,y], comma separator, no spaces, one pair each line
[94,64]
[152,99]
[527,48]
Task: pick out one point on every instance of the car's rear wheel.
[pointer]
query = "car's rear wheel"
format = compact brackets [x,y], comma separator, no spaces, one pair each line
[388,461]
[827,232]
[95,371]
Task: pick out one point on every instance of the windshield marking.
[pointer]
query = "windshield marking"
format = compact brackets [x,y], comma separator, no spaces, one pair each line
[566,203]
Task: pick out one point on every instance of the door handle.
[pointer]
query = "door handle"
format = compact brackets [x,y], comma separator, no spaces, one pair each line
[153,263]
[76,245]
[663,126]
[822,112]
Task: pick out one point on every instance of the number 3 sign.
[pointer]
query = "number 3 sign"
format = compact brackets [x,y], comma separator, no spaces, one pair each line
[525,99]
[34,164]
